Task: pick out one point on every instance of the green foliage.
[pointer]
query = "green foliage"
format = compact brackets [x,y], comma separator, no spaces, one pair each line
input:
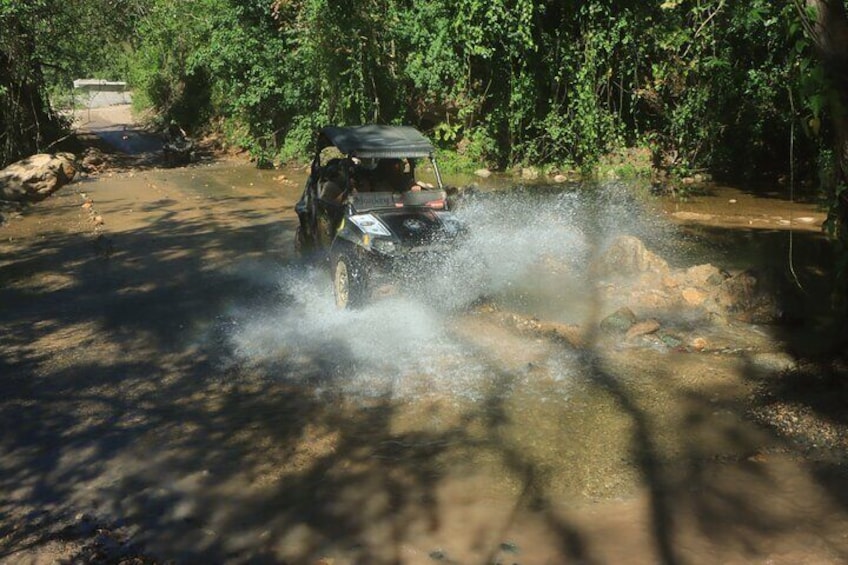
[44,45]
[709,83]
[27,123]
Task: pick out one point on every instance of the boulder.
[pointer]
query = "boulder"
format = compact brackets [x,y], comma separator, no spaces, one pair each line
[93,160]
[643,328]
[35,178]
[627,255]
[529,173]
[747,297]
[704,275]
[483,173]
[694,296]
[619,321]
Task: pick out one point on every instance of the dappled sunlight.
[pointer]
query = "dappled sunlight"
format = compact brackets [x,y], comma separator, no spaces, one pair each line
[196,392]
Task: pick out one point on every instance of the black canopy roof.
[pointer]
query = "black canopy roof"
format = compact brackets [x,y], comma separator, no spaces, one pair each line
[376,142]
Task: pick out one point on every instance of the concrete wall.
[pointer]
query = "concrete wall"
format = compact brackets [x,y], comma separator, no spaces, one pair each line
[95,93]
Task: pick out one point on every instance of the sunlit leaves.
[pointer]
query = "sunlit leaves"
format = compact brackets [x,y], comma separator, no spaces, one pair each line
[510,81]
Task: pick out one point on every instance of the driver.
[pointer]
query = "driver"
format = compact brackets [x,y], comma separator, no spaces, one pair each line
[175,133]
[391,176]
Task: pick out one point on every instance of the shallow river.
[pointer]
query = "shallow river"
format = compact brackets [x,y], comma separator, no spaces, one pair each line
[431,426]
[474,417]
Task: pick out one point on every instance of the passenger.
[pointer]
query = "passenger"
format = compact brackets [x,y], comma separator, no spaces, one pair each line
[359,179]
[331,185]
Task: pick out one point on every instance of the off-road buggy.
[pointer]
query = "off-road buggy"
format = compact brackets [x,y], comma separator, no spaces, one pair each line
[178,148]
[364,212]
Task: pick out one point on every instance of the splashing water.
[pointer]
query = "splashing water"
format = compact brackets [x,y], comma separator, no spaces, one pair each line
[394,346]
[406,345]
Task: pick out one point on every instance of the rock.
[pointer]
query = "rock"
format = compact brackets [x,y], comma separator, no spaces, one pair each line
[670,282]
[438,555]
[566,333]
[93,160]
[698,344]
[483,173]
[704,275]
[745,297]
[773,362]
[652,300]
[671,340]
[529,173]
[559,179]
[696,282]
[627,255]
[717,278]
[619,321]
[509,547]
[35,178]
[643,328]
[694,297]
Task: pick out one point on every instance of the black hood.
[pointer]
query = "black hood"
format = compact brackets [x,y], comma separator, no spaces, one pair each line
[418,227]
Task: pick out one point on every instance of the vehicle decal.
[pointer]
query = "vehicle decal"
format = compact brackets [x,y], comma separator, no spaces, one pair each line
[369,224]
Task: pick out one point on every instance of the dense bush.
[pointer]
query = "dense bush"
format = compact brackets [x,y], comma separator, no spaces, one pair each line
[704,84]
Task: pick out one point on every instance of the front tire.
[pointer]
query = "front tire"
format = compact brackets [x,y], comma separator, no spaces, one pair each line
[349,284]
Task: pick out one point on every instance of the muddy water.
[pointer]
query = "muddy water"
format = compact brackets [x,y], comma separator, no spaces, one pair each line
[265,424]
[528,254]
[503,433]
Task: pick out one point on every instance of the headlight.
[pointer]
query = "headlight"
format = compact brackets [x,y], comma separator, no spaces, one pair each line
[384,246]
[369,224]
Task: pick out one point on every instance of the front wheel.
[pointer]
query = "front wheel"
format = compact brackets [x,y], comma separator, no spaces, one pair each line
[349,285]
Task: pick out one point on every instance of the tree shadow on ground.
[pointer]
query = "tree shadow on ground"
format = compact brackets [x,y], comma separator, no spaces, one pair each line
[115,413]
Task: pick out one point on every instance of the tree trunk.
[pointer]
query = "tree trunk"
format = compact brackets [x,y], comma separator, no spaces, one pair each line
[26,122]
[829,32]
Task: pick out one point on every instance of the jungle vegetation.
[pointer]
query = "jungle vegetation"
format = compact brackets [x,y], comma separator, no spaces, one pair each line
[714,85]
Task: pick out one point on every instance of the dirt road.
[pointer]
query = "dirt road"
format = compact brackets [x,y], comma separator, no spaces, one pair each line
[174,387]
